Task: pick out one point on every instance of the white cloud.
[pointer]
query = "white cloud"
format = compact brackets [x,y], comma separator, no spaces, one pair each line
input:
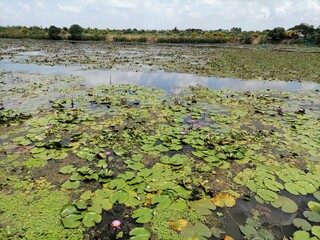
[24,6]
[164,14]
[69,9]
[263,13]
[284,9]
[40,4]
[121,3]
[88,1]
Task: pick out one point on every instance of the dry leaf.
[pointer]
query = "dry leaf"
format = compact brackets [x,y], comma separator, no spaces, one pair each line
[228,238]
[178,225]
[224,199]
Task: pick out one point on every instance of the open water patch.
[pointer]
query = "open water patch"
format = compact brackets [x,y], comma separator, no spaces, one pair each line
[170,81]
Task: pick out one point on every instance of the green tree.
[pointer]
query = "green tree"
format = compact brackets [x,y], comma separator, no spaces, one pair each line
[277,34]
[305,29]
[76,32]
[54,33]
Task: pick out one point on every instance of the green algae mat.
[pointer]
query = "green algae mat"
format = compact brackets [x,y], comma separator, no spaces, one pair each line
[131,162]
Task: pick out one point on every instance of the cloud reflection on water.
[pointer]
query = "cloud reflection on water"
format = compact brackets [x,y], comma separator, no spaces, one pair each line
[171,82]
[174,82]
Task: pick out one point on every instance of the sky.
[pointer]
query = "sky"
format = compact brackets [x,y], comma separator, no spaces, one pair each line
[161,14]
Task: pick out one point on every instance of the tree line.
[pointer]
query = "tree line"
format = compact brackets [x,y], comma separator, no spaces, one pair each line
[298,34]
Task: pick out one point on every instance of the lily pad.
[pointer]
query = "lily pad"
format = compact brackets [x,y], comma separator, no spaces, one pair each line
[287,205]
[69,209]
[224,199]
[91,218]
[143,215]
[302,223]
[67,169]
[140,234]
[312,216]
[317,195]
[121,196]
[248,230]
[267,195]
[272,185]
[314,207]
[163,200]
[299,235]
[70,216]
[71,185]
[197,231]
[178,225]
[117,183]
[71,221]
[203,206]
[315,230]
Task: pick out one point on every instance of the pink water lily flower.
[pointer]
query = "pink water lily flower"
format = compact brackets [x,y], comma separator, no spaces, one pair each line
[116,224]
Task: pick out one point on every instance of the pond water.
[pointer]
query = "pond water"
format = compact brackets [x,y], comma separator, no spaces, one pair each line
[171,82]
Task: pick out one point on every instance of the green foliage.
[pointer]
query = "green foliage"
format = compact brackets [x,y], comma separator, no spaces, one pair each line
[195,40]
[277,34]
[127,39]
[54,33]
[76,32]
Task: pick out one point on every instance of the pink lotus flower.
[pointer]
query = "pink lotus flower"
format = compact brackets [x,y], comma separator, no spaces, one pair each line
[116,224]
[108,153]
[183,133]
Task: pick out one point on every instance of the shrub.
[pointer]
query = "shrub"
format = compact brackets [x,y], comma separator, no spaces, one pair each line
[54,33]
[277,34]
[75,32]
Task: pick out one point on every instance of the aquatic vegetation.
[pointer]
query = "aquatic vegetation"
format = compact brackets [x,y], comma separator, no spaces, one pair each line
[175,164]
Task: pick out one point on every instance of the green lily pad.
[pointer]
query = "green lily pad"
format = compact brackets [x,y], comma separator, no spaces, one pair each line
[203,206]
[163,200]
[117,183]
[81,204]
[197,231]
[287,205]
[267,195]
[295,189]
[70,216]
[175,160]
[86,195]
[302,223]
[60,156]
[248,231]
[120,152]
[68,209]
[317,195]
[140,234]
[312,216]
[71,221]
[272,185]
[299,235]
[264,234]
[121,196]
[315,230]
[91,218]
[143,215]
[71,185]
[314,207]
[67,169]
